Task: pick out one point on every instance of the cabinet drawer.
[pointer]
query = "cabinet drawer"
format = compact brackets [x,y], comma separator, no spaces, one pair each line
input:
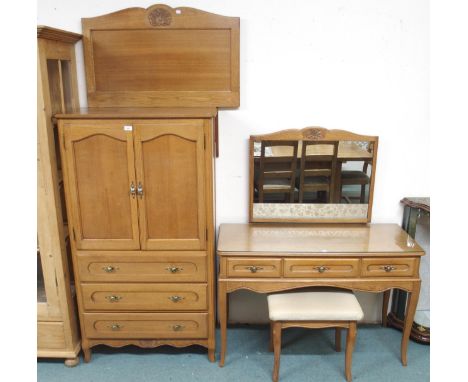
[146,325]
[389,267]
[253,267]
[321,267]
[129,297]
[136,266]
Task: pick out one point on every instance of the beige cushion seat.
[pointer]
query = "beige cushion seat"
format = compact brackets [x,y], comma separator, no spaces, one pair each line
[314,309]
[314,306]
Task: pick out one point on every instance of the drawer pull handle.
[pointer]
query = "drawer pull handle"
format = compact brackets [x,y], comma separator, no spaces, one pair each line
[109,268]
[253,268]
[115,327]
[132,190]
[177,328]
[114,298]
[176,298]
[174,269]
[388,268]
[140,190]
[321,269]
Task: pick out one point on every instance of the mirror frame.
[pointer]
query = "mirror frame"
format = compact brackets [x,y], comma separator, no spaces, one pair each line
[313,133]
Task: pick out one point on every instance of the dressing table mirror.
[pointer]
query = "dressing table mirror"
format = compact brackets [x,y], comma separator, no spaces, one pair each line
[312,175]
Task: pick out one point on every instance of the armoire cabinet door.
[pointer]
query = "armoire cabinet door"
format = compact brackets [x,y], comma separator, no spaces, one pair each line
[170,165]
[101,179]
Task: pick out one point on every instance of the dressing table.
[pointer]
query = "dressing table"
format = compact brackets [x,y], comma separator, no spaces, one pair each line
[340,249]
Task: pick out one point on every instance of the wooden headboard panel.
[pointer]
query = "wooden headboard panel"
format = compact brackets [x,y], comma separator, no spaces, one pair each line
[162,57]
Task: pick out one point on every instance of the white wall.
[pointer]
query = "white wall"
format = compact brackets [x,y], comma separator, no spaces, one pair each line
[359,65]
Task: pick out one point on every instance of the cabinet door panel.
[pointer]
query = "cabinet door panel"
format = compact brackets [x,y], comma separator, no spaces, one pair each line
[170,163]
[100,168]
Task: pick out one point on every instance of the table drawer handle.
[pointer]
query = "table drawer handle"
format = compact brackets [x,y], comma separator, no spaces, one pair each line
[388,268]
[116,327]
[109,268]
[177,328]
[176,298]
[174,269]
[253,268]
[321,269]
[113,298]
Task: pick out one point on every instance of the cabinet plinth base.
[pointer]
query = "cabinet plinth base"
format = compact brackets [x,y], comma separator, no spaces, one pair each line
[148,343]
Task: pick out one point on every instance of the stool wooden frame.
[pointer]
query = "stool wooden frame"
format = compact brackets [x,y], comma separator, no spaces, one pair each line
[275,339]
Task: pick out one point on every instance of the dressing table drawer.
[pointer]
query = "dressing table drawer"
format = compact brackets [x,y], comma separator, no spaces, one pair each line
[146,325]
[321,268]
[128,297]
[252,267]
[389,267]
[140,266]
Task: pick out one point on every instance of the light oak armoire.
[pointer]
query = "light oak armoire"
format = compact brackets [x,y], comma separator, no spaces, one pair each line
[139,168]
[57,328]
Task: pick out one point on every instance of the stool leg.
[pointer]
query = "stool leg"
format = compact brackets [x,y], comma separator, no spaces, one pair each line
[338,339]
[350,340]
[277,349]
[270,346]
[386,299]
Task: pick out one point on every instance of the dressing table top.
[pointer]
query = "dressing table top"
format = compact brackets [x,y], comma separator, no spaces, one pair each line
[307,239]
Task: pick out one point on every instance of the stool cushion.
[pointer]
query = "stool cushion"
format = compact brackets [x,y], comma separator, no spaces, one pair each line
[314,306]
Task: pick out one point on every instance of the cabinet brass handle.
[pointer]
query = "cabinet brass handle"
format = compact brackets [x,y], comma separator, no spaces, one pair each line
[177,328]
[174,269]
[176,298]
[253,268]
[321,269]
[113,298]
[115,327]
[140,190]
[388,268]
[109,268]
[132,190]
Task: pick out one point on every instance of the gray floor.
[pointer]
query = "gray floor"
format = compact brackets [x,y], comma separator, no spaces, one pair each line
[307,355]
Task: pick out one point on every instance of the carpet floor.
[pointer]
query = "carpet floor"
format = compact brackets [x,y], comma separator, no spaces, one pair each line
[307,355]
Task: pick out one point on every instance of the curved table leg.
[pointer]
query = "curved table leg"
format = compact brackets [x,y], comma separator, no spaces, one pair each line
[386,299]
[409,318]
[222,311]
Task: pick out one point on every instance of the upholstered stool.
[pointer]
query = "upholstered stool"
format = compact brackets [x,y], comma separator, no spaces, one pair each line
[318,309]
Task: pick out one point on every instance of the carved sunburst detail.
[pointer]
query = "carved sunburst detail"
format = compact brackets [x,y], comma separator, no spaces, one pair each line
[313,134]
[160,17]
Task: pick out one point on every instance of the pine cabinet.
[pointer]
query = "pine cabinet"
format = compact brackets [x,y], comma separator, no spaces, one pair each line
[57,329]
[139,190]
